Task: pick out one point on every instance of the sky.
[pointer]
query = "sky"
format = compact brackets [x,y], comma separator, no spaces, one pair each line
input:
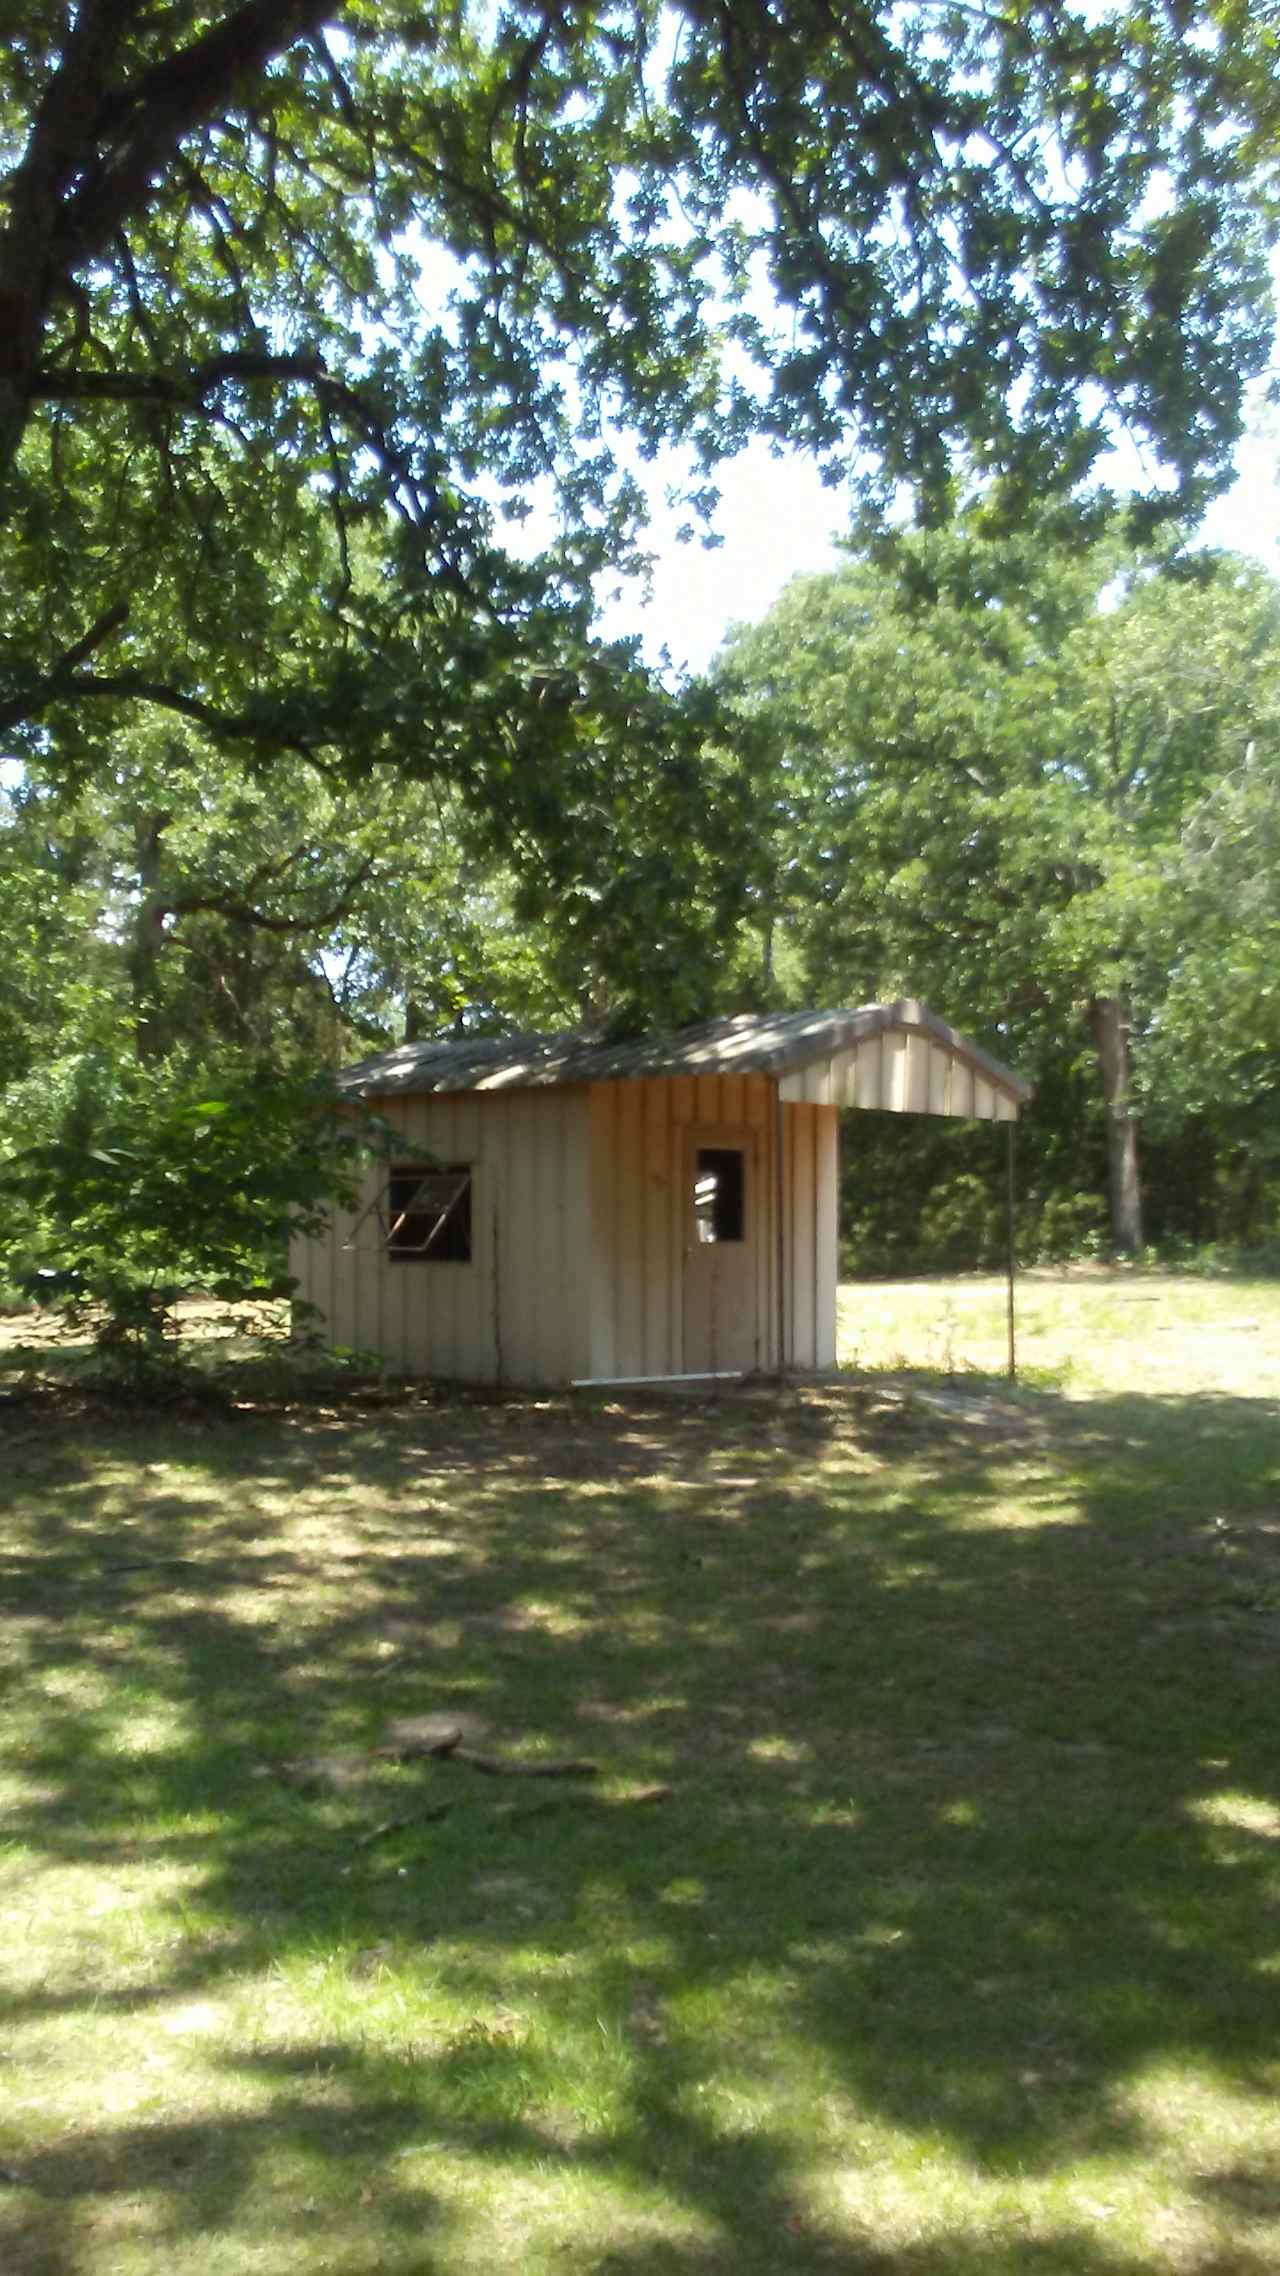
[777,521]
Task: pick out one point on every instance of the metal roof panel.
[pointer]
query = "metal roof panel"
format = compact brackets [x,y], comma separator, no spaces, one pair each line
[768,1043]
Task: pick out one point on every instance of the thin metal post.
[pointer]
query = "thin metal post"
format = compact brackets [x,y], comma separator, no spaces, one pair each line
[1011,1257]
[779,1199]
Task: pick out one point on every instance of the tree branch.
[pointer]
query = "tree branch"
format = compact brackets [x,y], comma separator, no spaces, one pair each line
[190,391]
[93,154]
[65,684]
[142,125]
[241,912]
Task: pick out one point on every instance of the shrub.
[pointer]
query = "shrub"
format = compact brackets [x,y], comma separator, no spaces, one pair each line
[158,1184]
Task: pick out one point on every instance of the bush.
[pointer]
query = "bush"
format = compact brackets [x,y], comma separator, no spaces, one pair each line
[159,1184]
[961,1225]
[1065,1226]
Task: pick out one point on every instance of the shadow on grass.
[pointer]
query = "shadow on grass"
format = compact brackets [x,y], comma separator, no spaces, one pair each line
[971,1730]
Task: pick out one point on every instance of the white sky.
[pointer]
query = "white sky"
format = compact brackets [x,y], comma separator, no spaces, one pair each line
[778,520]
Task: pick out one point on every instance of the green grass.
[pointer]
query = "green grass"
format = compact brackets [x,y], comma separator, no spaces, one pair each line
[1082,1330]
[954,1947]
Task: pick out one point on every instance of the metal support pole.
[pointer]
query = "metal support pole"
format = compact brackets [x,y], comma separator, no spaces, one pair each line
[1011,1258]
[780,1253]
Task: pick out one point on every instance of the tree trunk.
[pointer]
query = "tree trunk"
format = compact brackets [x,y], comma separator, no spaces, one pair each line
[147,939]
[1109,1020]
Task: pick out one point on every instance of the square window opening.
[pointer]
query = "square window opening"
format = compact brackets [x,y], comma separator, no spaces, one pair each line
[720,1194]
[427,1214]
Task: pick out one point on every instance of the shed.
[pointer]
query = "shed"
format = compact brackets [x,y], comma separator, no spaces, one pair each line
[569,1210]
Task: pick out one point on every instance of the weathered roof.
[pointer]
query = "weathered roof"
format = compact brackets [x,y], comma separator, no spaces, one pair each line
[752,1043]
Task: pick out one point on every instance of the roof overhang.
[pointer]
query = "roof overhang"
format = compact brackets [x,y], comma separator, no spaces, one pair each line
[899,1057]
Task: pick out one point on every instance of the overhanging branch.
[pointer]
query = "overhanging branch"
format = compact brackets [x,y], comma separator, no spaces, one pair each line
[192,391]
[66,685]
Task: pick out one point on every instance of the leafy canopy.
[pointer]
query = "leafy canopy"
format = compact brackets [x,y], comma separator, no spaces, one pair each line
[152,1188]
[1030,779]
[300,298]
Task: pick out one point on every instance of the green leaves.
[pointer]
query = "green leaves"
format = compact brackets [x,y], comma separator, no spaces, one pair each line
[1009,773]
[151,1189]
[298,300]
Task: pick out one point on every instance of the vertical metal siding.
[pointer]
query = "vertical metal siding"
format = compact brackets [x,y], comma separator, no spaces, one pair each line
[520,1305]
[579,1222]
[639,1212]
[826,1236]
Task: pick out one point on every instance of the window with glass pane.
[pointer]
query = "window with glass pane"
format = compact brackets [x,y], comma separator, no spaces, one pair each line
[428,1214]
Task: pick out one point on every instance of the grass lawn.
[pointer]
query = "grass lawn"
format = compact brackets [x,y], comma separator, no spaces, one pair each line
[923,1916]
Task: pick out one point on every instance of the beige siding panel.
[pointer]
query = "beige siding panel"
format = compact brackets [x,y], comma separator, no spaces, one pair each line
[515,1263]
[461,1318]
[659,1211]
[345,1266]
[870,1074]
[520,1259]
[826,1235]
[400,1282]
[800,1150]
[628,1230]
[761,1116]
[603,1210]
[576,1233]
[535,1136]
[899,1074]
[805,1083]
[893,1073]
[430,1310]
[406,1341]
[675,1232]
[683,1103]
[553,1219]
[706,1098]
[529,1155]
[556,1202]
[410,1295]
[308,1263]
[780,1246]
[939,1079]
[411,1298]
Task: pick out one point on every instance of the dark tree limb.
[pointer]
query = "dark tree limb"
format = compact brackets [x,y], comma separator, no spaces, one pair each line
[94,151]
[67,685]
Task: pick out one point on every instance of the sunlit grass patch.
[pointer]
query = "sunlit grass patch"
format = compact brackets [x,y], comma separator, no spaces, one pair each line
[1080,1329]
[918,1917]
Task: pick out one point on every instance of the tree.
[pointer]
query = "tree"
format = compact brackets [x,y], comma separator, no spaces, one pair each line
[1219,1032]
[151,1189]
[288,282]
[987,750]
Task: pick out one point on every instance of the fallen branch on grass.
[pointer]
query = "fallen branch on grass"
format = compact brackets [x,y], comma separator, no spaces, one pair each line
[416,1741]
[447,1746]
[397,1825]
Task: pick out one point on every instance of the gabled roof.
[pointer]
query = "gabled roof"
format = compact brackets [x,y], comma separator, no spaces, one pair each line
[813,1054]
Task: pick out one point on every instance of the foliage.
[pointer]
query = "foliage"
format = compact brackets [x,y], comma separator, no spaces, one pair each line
[155,1187]
[1219,1032]
[948,1952]
[177,906]
[992,757]
[306,307]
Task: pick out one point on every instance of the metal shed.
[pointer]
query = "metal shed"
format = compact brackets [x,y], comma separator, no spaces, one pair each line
[650,1209]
